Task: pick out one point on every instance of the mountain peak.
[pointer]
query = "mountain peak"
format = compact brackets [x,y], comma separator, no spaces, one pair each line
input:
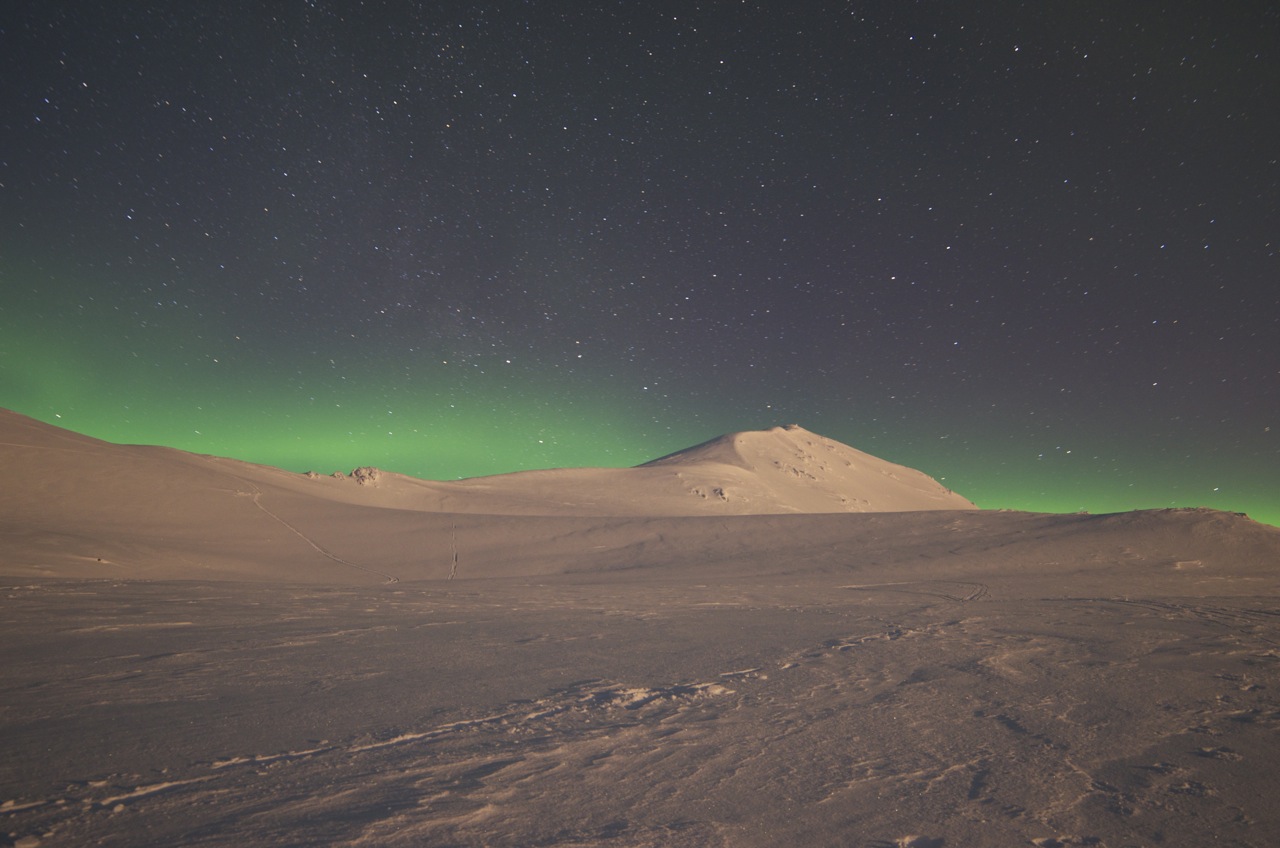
[802,471]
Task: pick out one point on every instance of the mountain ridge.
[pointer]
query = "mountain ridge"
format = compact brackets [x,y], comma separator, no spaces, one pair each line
[782,470]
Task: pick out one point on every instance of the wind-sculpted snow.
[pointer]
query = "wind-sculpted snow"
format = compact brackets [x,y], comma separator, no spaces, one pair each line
[975,708]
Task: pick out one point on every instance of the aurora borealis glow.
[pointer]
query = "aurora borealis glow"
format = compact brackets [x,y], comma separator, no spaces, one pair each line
[1030,252]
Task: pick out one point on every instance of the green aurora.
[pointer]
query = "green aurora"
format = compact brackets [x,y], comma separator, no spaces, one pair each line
[186,382]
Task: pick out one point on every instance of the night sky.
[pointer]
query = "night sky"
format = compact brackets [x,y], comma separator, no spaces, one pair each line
[1032,249]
